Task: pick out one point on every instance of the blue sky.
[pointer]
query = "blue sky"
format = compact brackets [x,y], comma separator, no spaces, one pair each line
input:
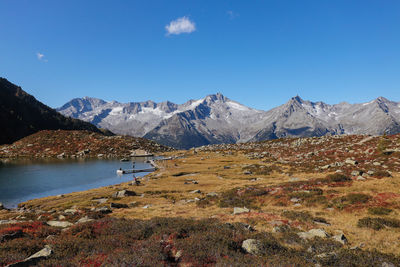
[259,53]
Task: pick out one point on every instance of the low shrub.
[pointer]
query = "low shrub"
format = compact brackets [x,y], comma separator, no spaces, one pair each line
[258,169]
[382,174]
[351,199]
[337,177]
[240,197]
[379,211]
[378,223]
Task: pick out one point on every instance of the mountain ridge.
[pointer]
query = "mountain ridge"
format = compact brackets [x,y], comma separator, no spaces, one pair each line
[217,119]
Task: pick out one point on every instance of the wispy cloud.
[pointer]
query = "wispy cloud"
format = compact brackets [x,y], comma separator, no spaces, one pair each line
[41,57]
[180,25]
[232,14]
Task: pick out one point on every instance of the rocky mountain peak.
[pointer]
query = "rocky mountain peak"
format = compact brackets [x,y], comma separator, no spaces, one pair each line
[215,98]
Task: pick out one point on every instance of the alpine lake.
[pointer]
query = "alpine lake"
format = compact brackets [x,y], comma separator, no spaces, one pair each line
[22,180]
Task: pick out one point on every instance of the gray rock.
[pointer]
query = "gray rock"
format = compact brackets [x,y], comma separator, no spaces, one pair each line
[351,162]
[32,260]
[360,178]
[84,220]
[100,200]
[237,210]
[325,167]
[103,210]
[356,173]
[197,191]
[313,233]
[72,211]
[387,264]
[253,246]
[123,193]
[61,224]
[340,238]
[212,194]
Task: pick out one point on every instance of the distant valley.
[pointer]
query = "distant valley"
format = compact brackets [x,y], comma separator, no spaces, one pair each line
[217,119]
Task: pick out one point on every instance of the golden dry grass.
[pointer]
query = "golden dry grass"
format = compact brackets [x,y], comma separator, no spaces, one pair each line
[167,196]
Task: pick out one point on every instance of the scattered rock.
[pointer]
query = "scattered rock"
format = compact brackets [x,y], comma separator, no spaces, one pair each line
[237,210]
[147,206]
[212,194]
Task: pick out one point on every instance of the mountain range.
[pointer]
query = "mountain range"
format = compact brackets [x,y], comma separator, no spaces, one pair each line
[21,115]
[216,119]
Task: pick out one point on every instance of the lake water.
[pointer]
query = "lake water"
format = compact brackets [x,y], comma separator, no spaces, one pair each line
[24,180]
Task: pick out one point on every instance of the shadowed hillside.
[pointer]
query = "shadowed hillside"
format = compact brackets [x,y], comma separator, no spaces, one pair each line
[21,115]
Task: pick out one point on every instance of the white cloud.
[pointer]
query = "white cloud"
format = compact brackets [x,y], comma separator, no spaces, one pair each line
[180,25]
[40,57]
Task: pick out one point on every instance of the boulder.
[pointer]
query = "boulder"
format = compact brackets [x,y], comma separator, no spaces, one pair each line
[340,238]
[84,220]
[32,260]
[253,246]
[72,211]
[360,178]
[351,162]
[123,193]
[313,233]
[100,200]
[237,210]
[103,210]
[197,191]
[61,224]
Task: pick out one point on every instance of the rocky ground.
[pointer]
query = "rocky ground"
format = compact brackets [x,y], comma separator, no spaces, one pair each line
[329,201]
[78,144]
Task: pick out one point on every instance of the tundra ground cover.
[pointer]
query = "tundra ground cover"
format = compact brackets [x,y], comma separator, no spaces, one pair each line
[286,188]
